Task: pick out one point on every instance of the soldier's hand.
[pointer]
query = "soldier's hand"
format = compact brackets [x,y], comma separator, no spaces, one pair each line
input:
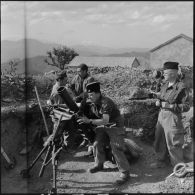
[82,120]
[171,106]
[77,99]
[48,102]
[158,103]
[150,91]
[163,104]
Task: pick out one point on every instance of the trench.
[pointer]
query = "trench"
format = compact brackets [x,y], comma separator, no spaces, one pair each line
[22,127]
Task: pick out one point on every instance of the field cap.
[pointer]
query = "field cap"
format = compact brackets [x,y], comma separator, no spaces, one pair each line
[171,65]
[83,67]
[93,87]
[61,74]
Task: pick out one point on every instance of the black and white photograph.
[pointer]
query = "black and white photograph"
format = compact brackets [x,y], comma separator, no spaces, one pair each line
[97,97]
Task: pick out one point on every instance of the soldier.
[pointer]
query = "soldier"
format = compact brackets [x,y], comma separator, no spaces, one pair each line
[74,137]
[79,82]
[169,135]
[109,127]
[61,80]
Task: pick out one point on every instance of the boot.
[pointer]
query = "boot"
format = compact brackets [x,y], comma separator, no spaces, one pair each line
[124,177]
[96,168]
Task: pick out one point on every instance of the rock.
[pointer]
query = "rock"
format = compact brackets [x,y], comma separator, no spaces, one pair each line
[8,100]
[25,150]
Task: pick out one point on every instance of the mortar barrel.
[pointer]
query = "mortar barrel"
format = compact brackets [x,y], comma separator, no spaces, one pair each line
[67,99]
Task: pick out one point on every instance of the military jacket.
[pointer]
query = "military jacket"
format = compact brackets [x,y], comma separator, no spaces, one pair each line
[103,106]
[78,84]
[176,94]
[55,98]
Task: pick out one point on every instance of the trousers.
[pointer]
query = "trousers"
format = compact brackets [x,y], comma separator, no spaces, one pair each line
[114,136]
[169,137]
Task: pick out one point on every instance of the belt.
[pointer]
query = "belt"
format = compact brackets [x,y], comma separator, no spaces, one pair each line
[165,105]
[166,109]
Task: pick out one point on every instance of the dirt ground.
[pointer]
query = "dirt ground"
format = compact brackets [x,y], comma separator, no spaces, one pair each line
[72,175]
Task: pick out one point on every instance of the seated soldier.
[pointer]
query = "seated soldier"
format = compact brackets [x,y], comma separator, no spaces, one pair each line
[61,80]
[109,126]
[87,129]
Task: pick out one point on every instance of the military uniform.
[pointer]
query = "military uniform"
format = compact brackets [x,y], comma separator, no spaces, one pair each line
[113,133]
[66,126]
[78,85]
[169,135]
[55,98]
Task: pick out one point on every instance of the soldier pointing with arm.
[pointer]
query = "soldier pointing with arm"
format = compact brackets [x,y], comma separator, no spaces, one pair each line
[169,135]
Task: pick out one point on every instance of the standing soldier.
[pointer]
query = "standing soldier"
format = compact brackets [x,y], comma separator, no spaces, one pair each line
[79,82]
[109,127]
[169,135]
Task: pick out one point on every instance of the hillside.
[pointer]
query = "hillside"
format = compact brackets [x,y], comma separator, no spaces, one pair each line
[16,49]
[34,65]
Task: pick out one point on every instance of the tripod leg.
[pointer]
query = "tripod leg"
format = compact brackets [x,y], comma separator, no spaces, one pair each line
[45,160]
[25,172]
[55,164]
[54,174]
[38,156]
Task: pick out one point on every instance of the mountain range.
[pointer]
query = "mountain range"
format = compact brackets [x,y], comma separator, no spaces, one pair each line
[16,49]
[36,52]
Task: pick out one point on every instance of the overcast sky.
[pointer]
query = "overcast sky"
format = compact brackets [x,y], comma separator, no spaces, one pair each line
[143,24]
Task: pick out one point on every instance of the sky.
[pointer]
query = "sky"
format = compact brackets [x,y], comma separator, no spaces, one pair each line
[120,24]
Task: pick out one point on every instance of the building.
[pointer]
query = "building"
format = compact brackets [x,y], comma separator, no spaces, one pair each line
[100,62]
[179,48]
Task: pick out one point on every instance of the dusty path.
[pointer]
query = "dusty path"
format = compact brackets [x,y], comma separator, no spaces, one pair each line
[72,176]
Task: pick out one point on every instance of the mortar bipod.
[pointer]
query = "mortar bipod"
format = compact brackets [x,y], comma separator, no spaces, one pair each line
[49,146]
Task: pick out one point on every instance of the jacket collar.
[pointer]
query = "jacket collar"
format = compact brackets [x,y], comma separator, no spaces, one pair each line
[174,86]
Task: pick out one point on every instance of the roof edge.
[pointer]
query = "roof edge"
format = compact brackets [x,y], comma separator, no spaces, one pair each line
[171,40]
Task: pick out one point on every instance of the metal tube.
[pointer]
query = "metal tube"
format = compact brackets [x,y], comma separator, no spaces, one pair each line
[5,155]
[67,99]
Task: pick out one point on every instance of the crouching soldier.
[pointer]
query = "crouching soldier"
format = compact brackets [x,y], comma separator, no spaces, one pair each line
[66,126]
[109,129]
[61,81]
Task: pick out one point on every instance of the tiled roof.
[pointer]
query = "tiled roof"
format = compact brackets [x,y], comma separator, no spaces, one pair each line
[103,61]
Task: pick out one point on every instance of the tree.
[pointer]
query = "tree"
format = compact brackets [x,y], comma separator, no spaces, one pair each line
[60,57]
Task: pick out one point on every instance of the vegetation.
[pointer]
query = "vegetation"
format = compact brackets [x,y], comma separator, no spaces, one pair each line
[118,83]
[12,84]
[60,57]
